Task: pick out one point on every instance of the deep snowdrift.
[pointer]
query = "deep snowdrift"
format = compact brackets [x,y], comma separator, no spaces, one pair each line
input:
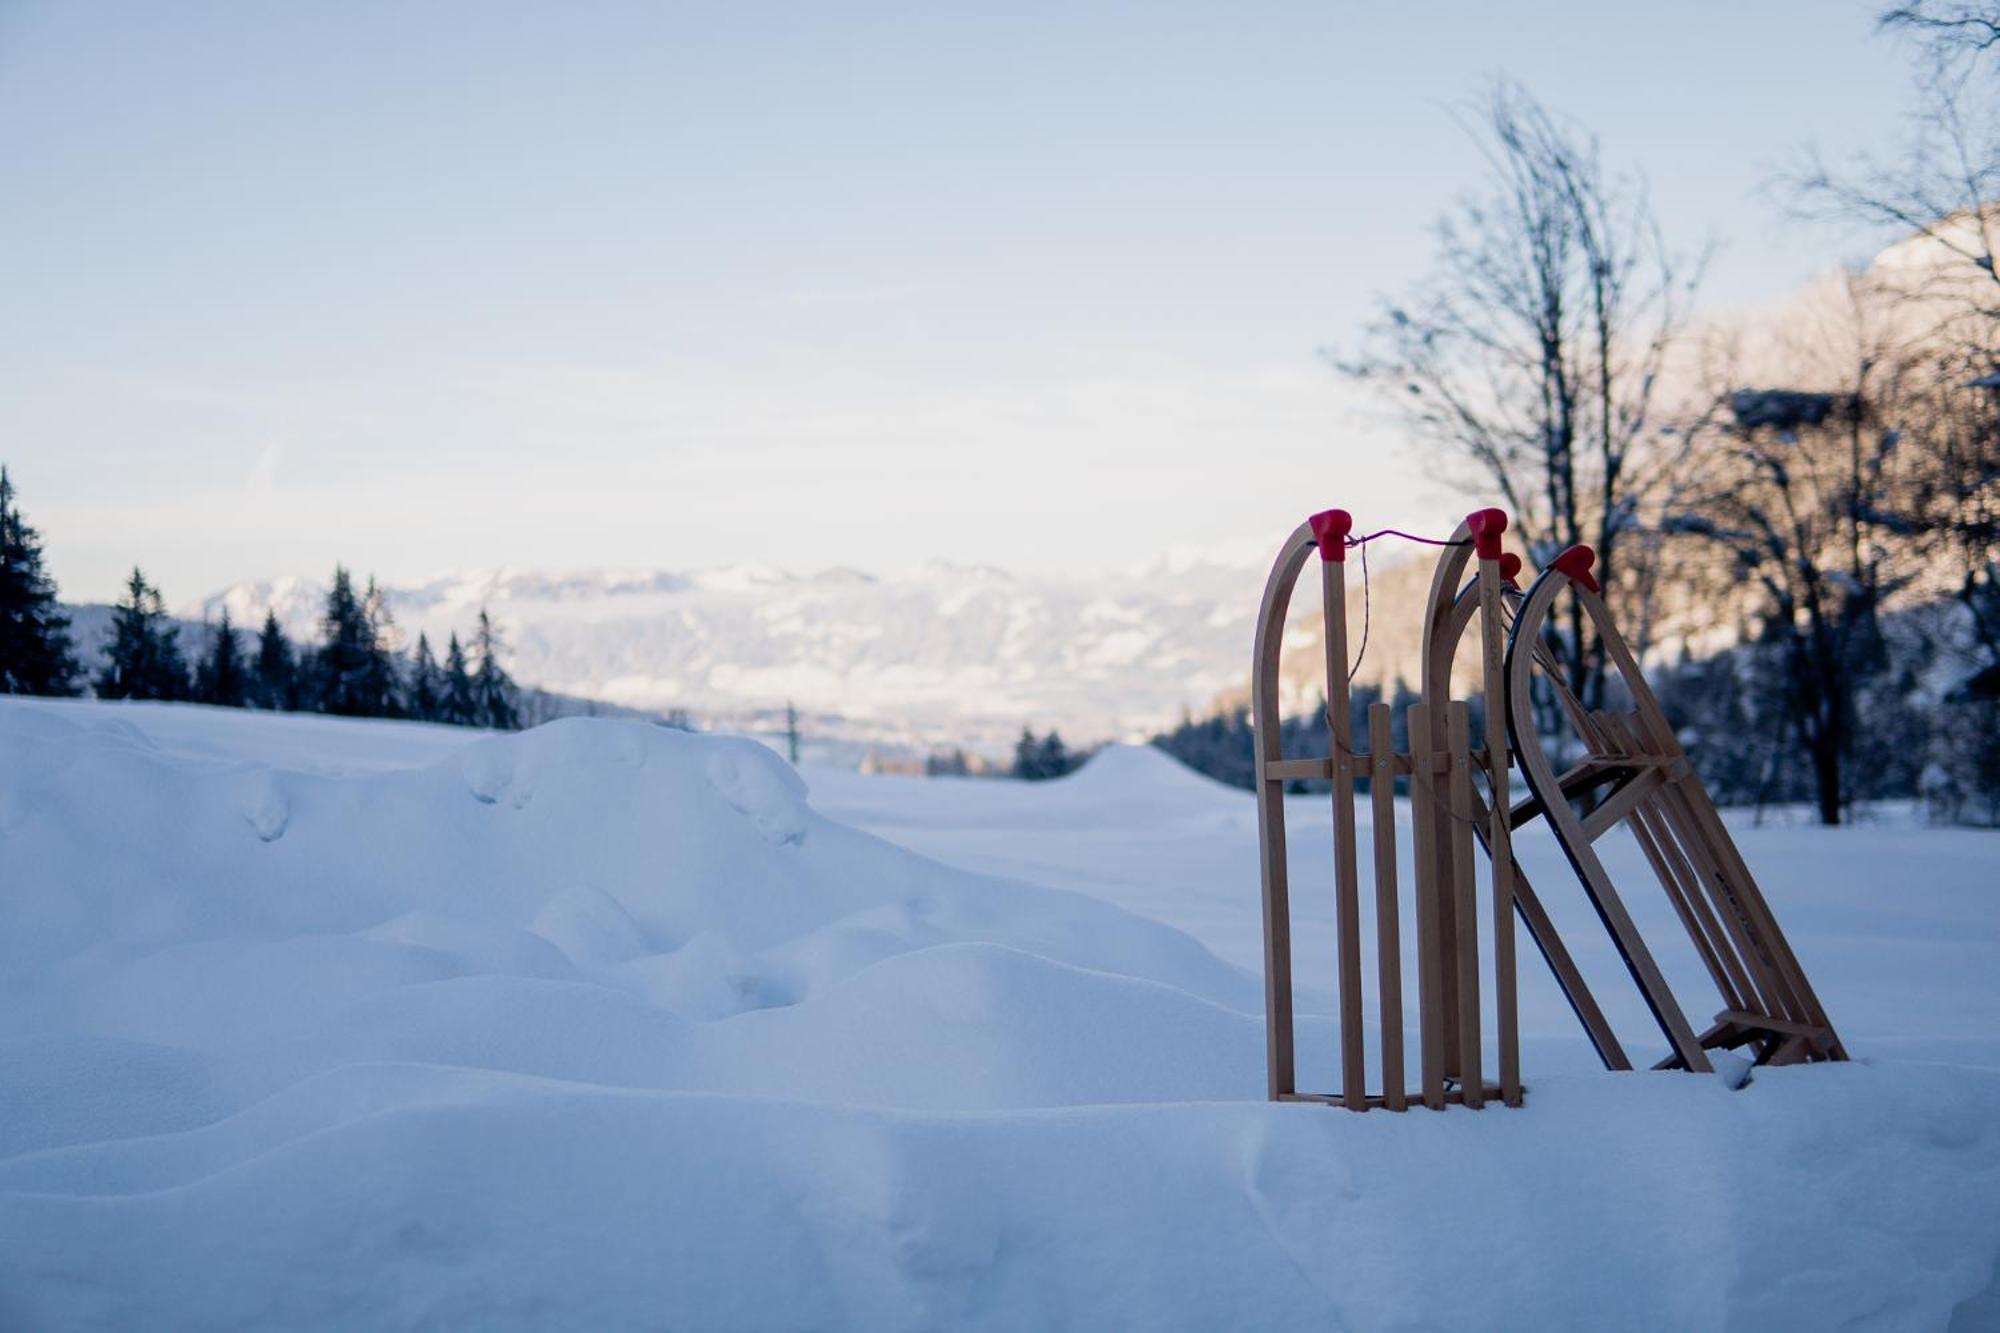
[603,1026]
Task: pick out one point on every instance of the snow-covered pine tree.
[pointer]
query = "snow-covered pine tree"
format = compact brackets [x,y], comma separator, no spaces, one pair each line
[277,676]
[338,666]
[458,706]
[495,698]
[144,661]
[220,679]
[35,656]
[354,673]
[381,683]
[426,693]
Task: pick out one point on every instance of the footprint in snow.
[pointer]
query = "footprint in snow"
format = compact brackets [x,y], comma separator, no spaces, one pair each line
[265,807]
[490,773]
[762,788]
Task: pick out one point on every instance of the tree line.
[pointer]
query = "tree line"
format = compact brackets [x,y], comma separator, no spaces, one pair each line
[355,670]
[1038,758]
[1035,759]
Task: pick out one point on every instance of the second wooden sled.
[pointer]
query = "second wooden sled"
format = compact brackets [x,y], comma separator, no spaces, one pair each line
[1640,778]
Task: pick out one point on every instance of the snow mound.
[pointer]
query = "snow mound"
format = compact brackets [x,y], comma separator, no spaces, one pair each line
[603,1025]
[1143,772]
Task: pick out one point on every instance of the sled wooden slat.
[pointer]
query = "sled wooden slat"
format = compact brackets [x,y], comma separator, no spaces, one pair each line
[1388,939]
[1321,770]
[1346,886]
[1442,626]
[1702,815]
[1748,981]
[1499,840]
[1465,948]
[1430,951]
[1684,888]
[1299,770]
[1621,801]
[1688,903]
[1768,987]
[1769,1024]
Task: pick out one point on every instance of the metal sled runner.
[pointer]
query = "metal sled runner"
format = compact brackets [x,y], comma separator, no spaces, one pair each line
[1630,767]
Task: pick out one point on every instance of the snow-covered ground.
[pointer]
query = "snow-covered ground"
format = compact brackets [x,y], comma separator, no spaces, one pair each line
[307,1023]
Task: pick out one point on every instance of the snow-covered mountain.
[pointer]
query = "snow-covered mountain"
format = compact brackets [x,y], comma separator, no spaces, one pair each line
[947,654]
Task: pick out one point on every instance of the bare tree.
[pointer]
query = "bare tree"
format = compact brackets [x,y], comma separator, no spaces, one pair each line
[1943,189]
[1530,358]
[1953,32]
[1940,195]
[1803,491]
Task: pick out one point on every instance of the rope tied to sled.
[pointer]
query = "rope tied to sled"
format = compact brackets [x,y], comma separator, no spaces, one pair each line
[1362,542]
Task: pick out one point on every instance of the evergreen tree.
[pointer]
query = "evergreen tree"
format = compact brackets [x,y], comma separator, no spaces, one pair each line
[1028,756]
[427,684]
[145,655]
[354,673]
[496,701]
[277,676]
[458,706]
[342,657]
[1219,745]
[1055,760]
[791,733]
[221,679]
[381,684]
[950,763]
[35,656]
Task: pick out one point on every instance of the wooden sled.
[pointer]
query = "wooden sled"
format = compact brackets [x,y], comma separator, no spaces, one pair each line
[1459,797]
[1641,778]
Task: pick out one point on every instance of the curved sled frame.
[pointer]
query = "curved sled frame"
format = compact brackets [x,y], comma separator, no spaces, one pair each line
[1440,767]
[1444,629]
[1652,789]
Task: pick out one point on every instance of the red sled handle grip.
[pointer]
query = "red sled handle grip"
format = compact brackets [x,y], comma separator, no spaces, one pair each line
[1486,525]
[1576,563]
[1330,528]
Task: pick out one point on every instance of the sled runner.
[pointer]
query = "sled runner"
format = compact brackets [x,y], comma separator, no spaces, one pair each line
[1630,766]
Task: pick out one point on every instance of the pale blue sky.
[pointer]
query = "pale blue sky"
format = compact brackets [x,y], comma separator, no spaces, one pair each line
[422,285]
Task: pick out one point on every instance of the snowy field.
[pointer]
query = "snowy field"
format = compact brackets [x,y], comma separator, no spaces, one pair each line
[319,1024]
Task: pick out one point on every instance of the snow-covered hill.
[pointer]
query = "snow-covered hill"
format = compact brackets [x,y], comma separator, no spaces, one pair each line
[308,1023]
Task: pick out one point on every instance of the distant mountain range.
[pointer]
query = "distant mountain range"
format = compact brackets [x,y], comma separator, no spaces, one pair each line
[945,655]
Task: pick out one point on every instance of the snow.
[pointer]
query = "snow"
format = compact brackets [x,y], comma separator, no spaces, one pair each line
[321,1024]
